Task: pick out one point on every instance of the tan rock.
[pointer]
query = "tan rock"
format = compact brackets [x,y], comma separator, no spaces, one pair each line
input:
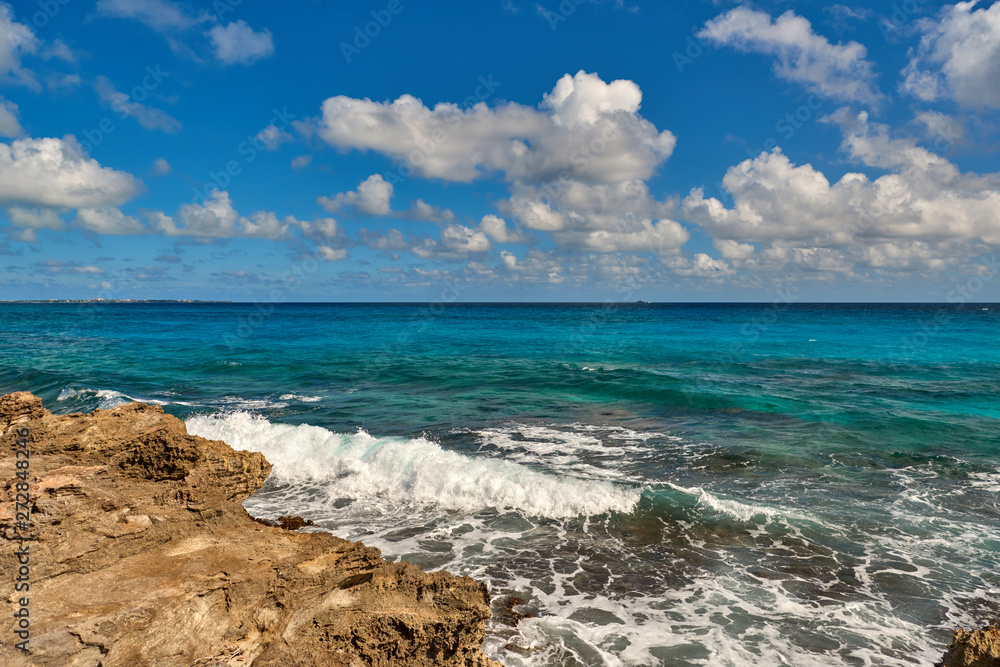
[975,648]
[145,556]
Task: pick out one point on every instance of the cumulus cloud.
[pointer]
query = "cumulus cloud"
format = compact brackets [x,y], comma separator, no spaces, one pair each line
[149,117]
[462,239]
[421,210]
[703,266]
[108,220]
[840,71]
[584,125]
[331,254]
[9,125]
[455,241]
[663,236]
[31,220]
[323,229]
[371,198]
[16,40]
[54,172]
[598,217]
[958,57]
[161,167]
[921,214]
[496,228]
[216,218]
[238,43]
[536,266]
[272,137]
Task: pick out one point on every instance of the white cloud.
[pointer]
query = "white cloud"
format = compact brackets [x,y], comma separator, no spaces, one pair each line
[265,225]
[60,50]
[149,117]
[108,220]
[421,210]
[239,43]
[16,40]
[9,125]
[585,127]
[54,172]
[31,220]
[332,254]
[730,249]
[371,198]
[922,214]
[662,237]
[496,228]
[600,217]
[161,15]
[272,137]
[161,167]
[302,161]
[56,266]
[459,238]
[840,71]
[958,57]
[58,83]
[216,218]
[391,239]
[509,260]
[703,266]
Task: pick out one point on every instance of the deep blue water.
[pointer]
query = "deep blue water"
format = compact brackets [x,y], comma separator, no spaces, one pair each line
[662,484]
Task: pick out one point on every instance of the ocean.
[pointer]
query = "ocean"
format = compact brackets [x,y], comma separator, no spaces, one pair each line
[638,484]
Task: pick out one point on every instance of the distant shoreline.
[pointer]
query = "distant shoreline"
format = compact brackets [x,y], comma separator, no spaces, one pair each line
[114,301]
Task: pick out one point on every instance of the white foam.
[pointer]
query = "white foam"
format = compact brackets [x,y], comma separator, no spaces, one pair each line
[300,398]
[736,509]
[109,398]
[240,403]
[392,472]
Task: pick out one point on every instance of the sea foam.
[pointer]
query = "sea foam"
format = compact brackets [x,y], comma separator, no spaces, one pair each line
[410,471]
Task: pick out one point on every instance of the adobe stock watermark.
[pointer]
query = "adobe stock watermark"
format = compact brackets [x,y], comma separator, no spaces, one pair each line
[362,36]
[47,10]
[391,352]
[247,151]
[562,12]
[789,124]
[694,48]
[900,15]
[22,528]
[290,281]
[959,297]
[123,107]
[757,326]
[222,7]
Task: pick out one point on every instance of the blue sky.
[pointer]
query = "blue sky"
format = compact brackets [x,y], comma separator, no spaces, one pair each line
[499,151]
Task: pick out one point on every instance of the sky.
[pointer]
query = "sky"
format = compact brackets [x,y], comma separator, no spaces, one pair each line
[499,150]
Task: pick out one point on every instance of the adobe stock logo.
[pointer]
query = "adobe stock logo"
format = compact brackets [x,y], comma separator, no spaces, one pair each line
[363,36]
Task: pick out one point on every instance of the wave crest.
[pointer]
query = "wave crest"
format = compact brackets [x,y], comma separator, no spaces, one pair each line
[410,471]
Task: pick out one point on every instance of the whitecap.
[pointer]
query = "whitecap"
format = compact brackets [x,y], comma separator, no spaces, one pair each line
[394,472]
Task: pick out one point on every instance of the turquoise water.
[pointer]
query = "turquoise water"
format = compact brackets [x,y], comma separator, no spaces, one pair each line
[655,484]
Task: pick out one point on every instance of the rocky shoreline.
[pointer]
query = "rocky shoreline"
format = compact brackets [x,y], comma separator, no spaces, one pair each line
[145,556]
